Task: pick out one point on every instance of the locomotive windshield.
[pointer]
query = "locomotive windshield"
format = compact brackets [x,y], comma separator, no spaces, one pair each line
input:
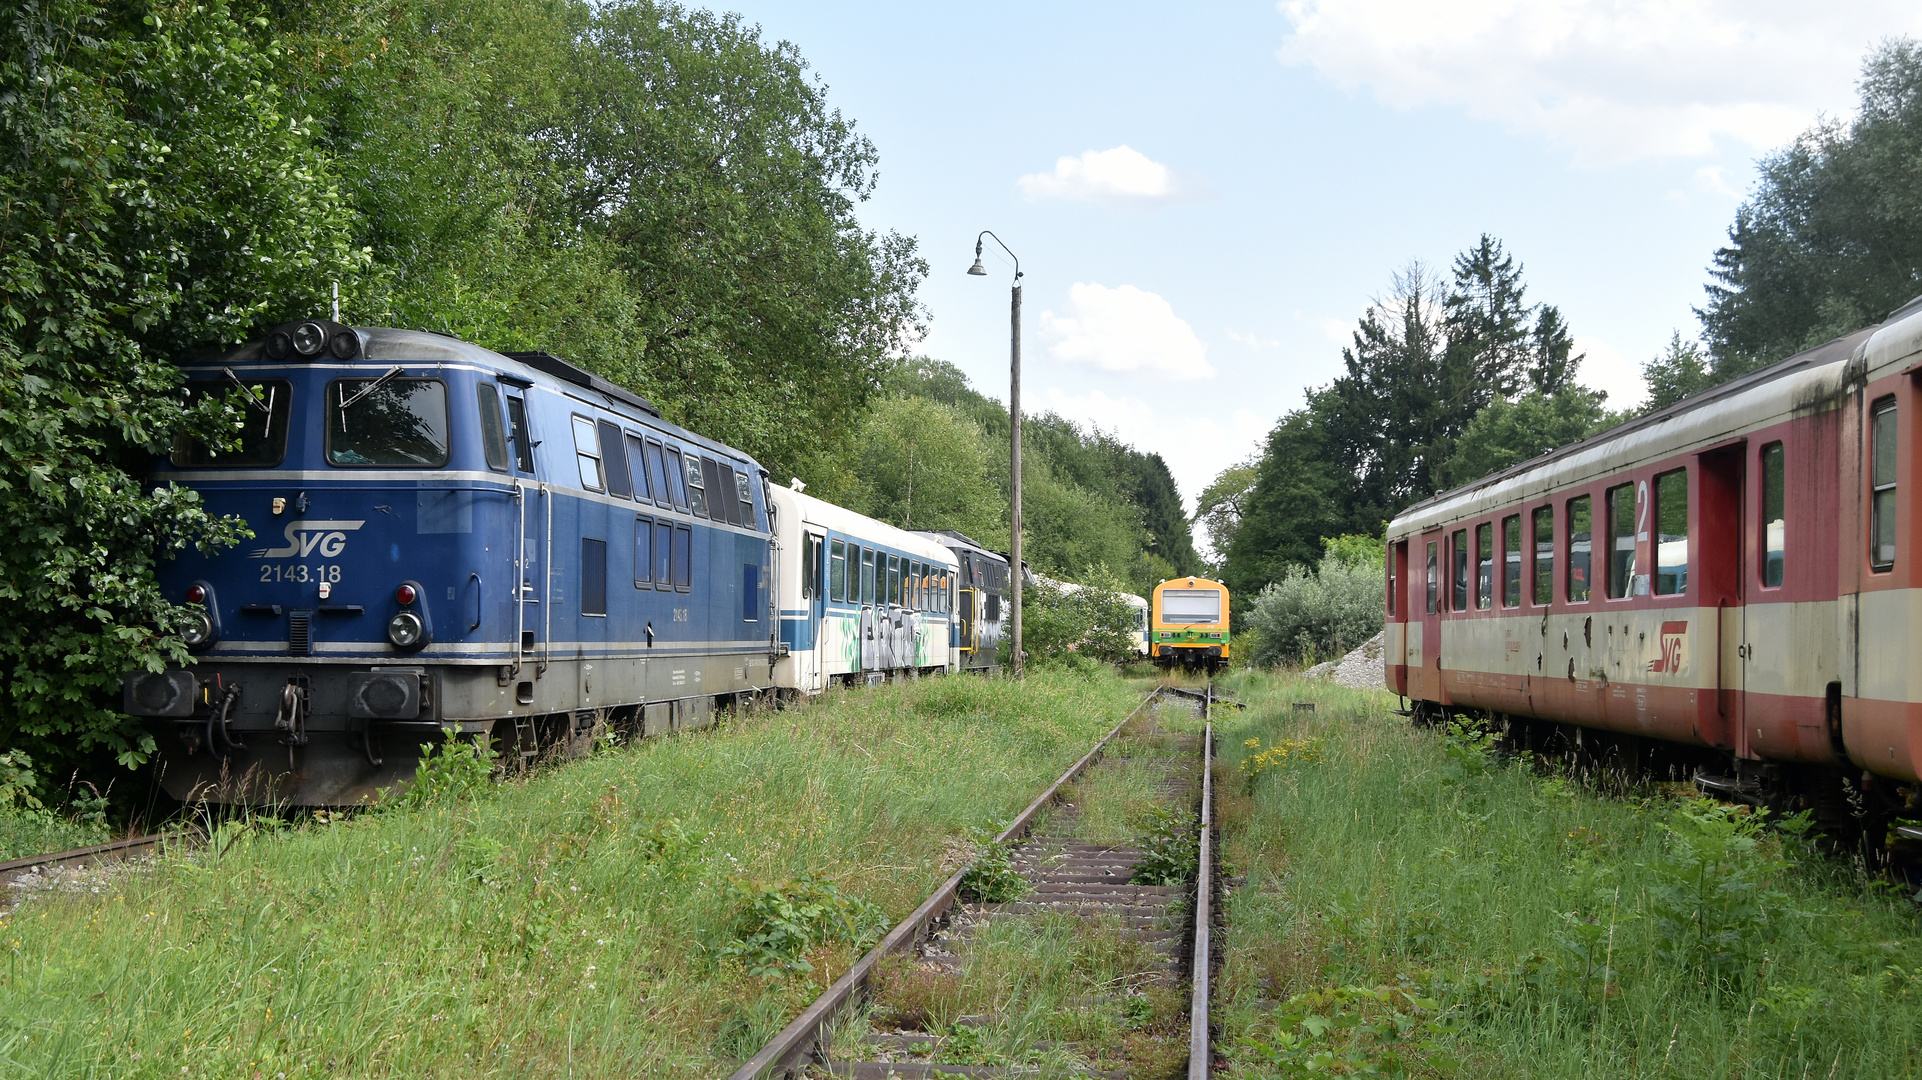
[263,425]
[387,421]
[1186,607]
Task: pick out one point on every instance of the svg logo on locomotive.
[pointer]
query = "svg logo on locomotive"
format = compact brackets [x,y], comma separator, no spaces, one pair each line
[303,537]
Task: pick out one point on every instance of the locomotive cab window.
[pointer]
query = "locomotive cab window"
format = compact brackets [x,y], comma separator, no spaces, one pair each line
[1512,561]
[1458,571]
[746,498]
[1621,539]
[1774,504]
[517,434]
[1543,589]
[696,487]
[1581,552]
[1484,566]
[1671,533]
[615,463]
[1882,485]
[587,451]
[262,433]
[387,421]
[657,474]
[493,436]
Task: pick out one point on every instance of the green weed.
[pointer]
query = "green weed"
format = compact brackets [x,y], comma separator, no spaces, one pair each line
[776,926]
[1171,847]
[991,878]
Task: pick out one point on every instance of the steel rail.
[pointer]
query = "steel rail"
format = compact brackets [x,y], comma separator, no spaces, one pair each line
[112,850]
[786,1051]
[1200,1053]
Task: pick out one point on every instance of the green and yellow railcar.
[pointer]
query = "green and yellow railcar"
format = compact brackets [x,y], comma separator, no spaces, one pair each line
[1189,625]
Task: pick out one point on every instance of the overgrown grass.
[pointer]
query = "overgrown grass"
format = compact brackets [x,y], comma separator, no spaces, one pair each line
[1439,904]
[598,919]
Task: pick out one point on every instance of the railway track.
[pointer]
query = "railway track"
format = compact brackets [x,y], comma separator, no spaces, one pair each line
[1078,887]
[111,851]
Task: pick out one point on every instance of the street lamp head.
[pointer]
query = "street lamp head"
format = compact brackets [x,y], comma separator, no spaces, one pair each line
[977,269]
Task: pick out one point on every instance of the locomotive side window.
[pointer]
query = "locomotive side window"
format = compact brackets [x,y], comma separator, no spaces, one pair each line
[1434,578]
[263,426]
[1458,571]
[387,421]
[683,558]
[1512,561]
[517,434]
[663,555]
[718,497]
[1774,503]
[1543,591]
[493,436]
[731,483]
[1671,533]
[837,571]
[637,467]
[1484,566]
[593,577]
[643,552]
[741,488]
[657,475]
[1882,485]
[676,479]
[696,487]
[587,452]
[616,460]
[1621,539]
[1581,553]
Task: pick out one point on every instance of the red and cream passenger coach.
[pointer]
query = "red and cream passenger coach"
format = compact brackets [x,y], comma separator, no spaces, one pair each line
[1738,572]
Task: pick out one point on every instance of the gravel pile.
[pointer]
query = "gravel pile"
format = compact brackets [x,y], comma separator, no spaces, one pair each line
[1359,670]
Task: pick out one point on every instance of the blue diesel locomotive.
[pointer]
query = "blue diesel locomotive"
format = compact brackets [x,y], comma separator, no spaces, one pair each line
[447,539]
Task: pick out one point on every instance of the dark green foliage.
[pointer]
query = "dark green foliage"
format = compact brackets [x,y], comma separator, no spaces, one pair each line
[1714,898]
[1508,432]
[1831,240]
[776,926]
[1300,494]
[1316,615]
[1681,371]
[1222,504]
[1089,623]
[1170,843]
[156,194]
[1353,1031]
[991,878]
[454,770]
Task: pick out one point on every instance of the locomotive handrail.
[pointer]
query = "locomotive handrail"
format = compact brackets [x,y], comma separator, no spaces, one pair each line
[480,605]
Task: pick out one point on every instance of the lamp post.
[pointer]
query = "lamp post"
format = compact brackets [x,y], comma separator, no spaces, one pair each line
[1014,444]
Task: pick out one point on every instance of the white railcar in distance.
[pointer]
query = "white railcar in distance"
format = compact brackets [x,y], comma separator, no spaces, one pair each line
[860,600]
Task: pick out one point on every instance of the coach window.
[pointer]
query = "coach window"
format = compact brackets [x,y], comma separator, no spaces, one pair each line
[1434,578]
[493,436]
[663,554]
[810,566]
[1512,561]
[643,552]
[837,571]
[1458,571]
[893,585]
[696,487]
[1620,503]
[1671,533]
[637,467]
[1484,566]
[387,421]
[587,451]
[1774,502]
[517,434]
[1581,540]
[867,576]
[676,479]
[1882,481]
[1542,589]
[616,461]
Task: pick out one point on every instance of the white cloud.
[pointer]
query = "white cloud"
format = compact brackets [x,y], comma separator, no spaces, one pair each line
[1606,369]
[1124,329]
[1252,340]
[1613,80]
[1122,174]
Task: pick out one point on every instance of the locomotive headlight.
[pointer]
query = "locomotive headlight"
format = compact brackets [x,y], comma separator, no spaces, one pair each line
[405,630]
[198,631]
[309,338]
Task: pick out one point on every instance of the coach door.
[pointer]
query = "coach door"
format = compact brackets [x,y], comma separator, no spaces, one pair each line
[967,629]
[1424,637]
[1717,575]
[870,621]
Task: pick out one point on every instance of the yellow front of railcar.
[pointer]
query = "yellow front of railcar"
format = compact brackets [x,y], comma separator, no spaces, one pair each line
[1190,624]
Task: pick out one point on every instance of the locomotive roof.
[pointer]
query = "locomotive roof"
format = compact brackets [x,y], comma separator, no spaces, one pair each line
[1700,420]
[954,541]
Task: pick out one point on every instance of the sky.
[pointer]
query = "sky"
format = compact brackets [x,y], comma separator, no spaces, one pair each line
[1205,198]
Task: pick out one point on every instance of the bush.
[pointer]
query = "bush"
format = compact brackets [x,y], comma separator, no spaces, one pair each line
[1091,621]
[1320,614]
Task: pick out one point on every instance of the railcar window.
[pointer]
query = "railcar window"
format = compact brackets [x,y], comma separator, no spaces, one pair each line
[676,479]
[1580,549]
[663,555]
[1671,533]
[593,577]
[893,585]
[1512,561]
[517,434]
[1774,505]
[263,426]
[587,451]
[1544,584]
[637,467]
[643,552]
[493,436]
[657,473]
[1458,571]
[867,575]
[387,421]
[1882,481]
[1434,578]
[837,571]
[1484,566]
[615,463]
[696,486]
[1621,539]
[683,558]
